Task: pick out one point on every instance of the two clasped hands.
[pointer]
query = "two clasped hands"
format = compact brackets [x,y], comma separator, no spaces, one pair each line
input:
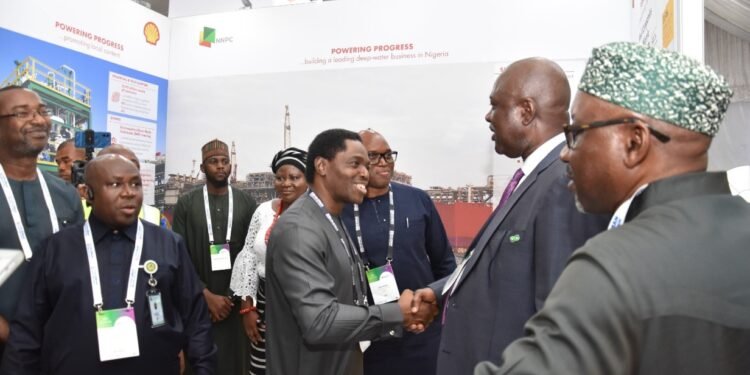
[419,309]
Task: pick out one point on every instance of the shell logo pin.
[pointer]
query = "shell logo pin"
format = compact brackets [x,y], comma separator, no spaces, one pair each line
[151,32]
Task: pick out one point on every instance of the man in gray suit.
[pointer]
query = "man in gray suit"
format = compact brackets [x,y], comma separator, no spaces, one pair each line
[516,258]
[319,321]
[665,290]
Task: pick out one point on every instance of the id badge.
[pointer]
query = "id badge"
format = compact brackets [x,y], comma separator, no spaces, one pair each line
[155,307]
[117,334]
[220,258]
[382,284]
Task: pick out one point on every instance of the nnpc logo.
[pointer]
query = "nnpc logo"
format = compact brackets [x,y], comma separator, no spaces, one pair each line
[208,37]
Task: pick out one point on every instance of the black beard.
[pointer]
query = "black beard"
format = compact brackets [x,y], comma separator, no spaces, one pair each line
[217,183]
[26,150]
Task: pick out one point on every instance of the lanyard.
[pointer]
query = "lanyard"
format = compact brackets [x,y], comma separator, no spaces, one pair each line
[208,216]
[17,215]
[622,211]
[96,285]
[391,228]
[359,295]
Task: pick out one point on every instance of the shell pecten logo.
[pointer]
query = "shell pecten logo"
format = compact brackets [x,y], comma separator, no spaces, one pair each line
[151,32]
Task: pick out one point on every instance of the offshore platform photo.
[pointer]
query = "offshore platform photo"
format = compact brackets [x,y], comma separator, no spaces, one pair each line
[68,100]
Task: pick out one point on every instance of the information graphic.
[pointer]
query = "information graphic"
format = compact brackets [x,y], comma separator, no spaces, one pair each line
[132,96]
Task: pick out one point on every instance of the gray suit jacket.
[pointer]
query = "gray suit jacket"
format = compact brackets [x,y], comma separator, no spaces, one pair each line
[666,293]
[313,325]
[517,257]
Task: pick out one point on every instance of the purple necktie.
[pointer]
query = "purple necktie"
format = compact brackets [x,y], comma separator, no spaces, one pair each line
[511,186]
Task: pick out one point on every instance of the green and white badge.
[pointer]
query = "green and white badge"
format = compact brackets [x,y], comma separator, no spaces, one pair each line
[382,282]
[116,329]
[117,334]
[220,257]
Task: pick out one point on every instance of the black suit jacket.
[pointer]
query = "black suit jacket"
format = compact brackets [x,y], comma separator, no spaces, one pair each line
[514,262]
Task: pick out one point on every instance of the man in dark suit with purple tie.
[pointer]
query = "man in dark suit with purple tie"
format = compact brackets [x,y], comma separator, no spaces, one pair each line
[517,256]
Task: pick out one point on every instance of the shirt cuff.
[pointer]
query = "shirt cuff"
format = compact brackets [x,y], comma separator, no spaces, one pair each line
[393,320]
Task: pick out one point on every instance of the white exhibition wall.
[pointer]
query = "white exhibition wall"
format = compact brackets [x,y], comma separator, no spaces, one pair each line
[420,72]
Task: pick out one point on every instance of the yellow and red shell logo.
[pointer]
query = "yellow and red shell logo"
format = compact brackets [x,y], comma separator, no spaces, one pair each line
[151,32]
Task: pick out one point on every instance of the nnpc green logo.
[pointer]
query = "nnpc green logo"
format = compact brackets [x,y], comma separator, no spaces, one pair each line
[208,37]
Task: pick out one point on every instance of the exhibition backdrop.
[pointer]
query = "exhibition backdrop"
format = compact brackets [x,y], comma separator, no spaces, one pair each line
[98,65]
[420,72]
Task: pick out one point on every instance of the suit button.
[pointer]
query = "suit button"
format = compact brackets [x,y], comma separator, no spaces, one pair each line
[392,333]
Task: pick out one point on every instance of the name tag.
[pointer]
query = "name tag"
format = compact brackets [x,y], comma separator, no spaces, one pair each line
[220,257]
[117,334]
[155,308]
[383,286]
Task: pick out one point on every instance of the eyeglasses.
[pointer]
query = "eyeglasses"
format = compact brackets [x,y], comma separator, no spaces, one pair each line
[573,131]
[389,156]
[26,114]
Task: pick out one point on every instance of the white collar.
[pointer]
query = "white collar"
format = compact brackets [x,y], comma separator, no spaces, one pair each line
[622,211]
[539,154]
[739,181]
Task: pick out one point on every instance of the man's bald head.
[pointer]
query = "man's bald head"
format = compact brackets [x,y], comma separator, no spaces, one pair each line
[369,136]
[123,151]
[529,105]
[544,82]
[100,163]
[114,190]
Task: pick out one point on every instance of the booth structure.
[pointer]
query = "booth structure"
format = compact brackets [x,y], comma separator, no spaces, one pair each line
[420,72]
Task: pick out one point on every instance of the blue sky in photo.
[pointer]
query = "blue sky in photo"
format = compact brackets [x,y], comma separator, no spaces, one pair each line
[90,71]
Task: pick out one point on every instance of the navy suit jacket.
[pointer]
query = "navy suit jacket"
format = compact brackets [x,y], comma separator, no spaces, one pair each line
[514,262]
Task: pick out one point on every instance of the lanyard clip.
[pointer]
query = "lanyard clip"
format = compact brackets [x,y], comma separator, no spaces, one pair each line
[98,307]
[129,302]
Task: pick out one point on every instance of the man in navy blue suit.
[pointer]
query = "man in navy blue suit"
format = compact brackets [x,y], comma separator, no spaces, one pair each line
[516,258]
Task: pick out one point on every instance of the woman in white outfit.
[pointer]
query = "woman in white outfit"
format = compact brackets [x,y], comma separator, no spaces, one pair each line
[249,271]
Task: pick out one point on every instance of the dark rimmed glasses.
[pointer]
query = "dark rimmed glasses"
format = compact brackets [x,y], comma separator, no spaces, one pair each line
[573,131]
[388,156]
[27,114]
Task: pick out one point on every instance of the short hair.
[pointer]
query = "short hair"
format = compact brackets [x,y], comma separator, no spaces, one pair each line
[65,143]
[11,87]
[326,145]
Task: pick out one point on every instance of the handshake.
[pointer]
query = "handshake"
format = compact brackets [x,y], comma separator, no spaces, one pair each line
[419,309]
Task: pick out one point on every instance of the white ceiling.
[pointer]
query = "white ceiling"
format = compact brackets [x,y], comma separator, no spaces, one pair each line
[730,15]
